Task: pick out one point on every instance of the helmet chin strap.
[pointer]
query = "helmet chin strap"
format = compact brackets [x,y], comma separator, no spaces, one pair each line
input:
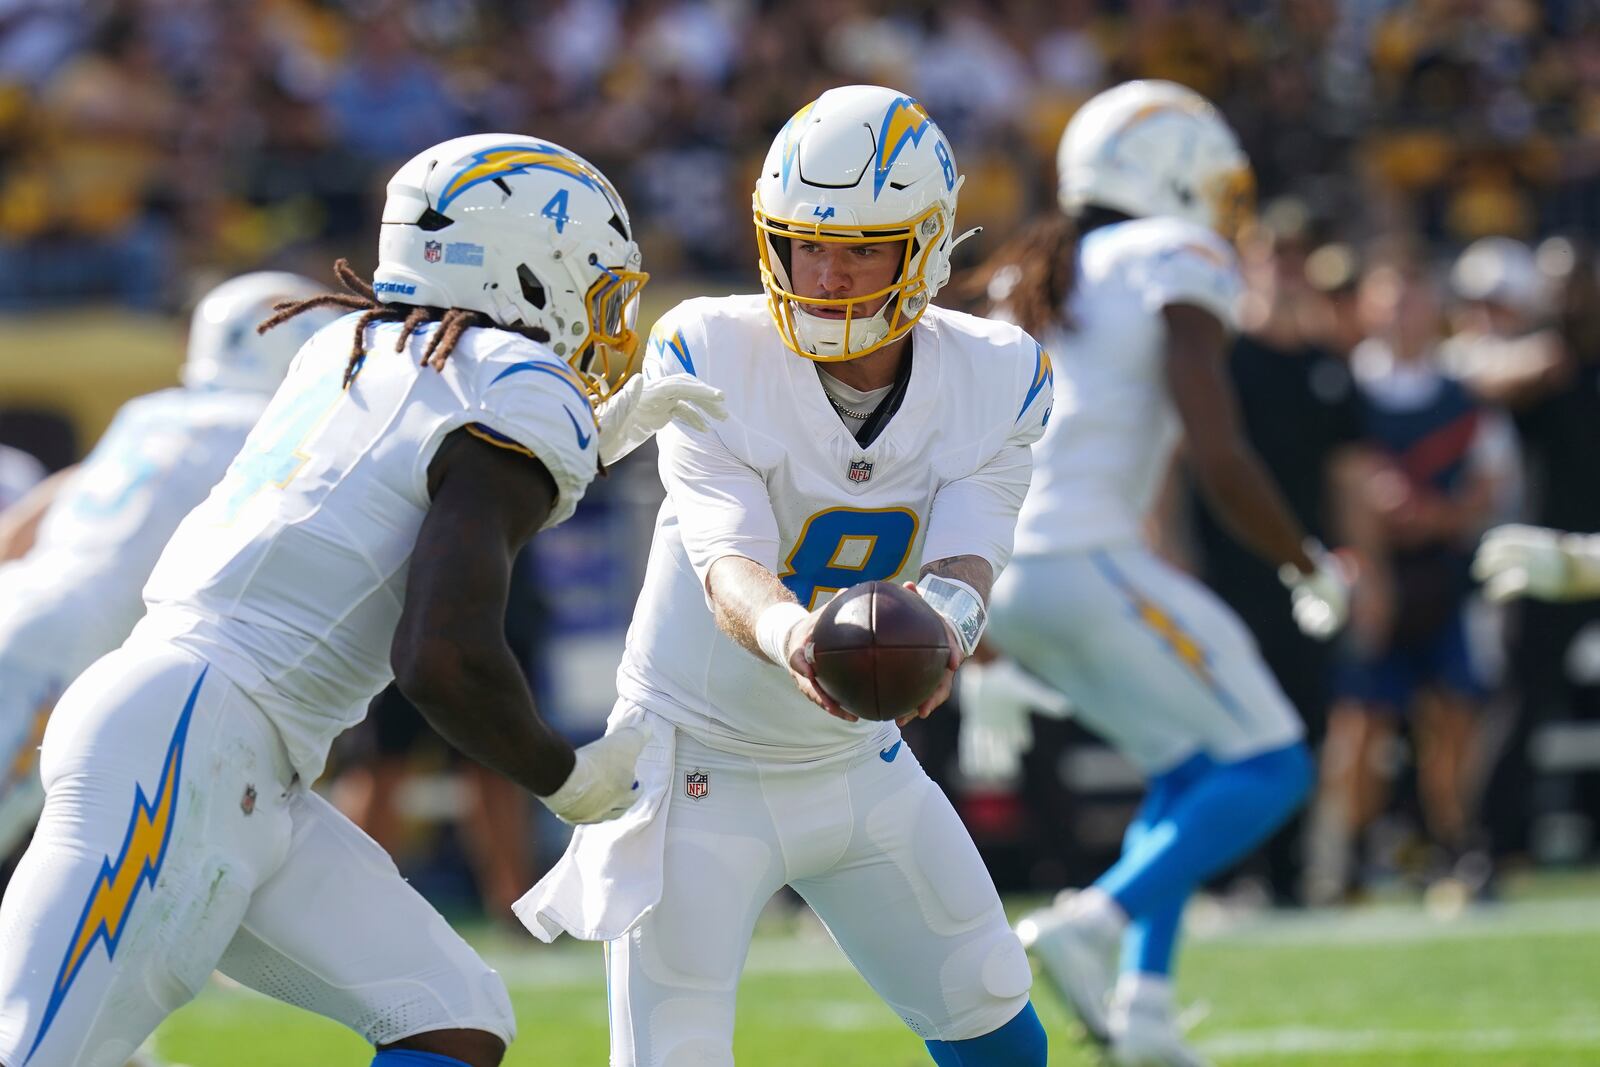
[826,337]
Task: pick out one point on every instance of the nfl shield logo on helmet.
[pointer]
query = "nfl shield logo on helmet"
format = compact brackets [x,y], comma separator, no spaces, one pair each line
[696,785]
[860,470]
[432,250]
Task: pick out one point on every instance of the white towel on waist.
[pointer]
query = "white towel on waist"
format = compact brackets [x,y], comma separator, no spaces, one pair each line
[610,875]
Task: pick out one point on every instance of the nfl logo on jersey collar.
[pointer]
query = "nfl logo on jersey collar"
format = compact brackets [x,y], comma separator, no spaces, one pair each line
[860,470]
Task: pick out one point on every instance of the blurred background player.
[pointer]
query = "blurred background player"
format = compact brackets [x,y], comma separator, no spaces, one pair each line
[101,527]
[873,437]
[1134,287]
[364,534]
[1446,461]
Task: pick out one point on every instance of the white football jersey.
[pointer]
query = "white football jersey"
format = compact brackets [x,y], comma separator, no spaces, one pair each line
[290,577]
[783,482]
[75,596]
[1100,464]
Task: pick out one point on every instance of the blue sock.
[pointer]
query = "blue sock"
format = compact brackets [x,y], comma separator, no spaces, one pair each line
[1199,818]
[1019,1043]
[405,1057]
[1152,939]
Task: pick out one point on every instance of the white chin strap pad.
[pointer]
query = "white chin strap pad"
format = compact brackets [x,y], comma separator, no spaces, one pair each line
[825,337]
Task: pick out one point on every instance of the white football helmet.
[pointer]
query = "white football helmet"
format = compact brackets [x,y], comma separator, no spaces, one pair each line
[226,352]
[525,232]
[859,165]
[1155,148]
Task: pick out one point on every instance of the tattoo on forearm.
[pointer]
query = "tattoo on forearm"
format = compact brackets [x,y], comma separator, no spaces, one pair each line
[974,570]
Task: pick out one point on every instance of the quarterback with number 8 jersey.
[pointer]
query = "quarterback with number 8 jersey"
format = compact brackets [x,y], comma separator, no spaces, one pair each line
[364,533]
[868,432]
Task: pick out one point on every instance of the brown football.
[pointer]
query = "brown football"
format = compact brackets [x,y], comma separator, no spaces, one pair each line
[879,650]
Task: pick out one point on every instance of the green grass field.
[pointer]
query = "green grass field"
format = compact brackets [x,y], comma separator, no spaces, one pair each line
[1513,985]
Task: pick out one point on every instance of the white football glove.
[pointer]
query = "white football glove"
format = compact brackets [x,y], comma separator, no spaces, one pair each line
[1321,599]
[1530,561]
[996,729]
[602,784]
[633,414]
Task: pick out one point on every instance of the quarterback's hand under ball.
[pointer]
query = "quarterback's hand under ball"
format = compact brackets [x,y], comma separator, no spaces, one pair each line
[602,784]
[640,408]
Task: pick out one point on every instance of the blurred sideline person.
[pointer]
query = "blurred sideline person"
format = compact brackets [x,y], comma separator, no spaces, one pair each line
[1445,461]
[1135,285]
[872,436]
[364,533]
[102,524]
[1550,575]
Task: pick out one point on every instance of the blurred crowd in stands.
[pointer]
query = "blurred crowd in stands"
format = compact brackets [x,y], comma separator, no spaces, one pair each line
[139,138]
[1419,357]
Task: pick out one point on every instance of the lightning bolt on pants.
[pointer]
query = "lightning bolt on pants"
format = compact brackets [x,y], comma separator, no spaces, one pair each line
[176,840]
[114,917]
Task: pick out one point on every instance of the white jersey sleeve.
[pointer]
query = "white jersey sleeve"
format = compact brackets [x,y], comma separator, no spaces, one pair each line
[1188,264]
[506,399]
[722,502]
[977,515]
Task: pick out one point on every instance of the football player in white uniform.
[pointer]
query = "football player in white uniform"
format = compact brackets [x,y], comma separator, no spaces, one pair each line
[868,432]
[75,596]
[1133,290]
[364,532]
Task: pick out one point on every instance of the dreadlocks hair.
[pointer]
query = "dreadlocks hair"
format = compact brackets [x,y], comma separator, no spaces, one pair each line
[1029,277]
[360,297]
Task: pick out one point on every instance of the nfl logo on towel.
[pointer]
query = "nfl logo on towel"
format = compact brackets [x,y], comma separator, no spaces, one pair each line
[432,250]
[860,470]
[696,784]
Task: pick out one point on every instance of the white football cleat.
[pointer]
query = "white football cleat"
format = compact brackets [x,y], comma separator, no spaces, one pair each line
[1076,941]
[1144,1026]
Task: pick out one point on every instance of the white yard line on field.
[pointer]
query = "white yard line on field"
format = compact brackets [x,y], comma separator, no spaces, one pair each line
[1398,924]
[1312,1041]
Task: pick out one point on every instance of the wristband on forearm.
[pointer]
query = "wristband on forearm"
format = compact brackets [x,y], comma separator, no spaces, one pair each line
[961,607]
[773,627]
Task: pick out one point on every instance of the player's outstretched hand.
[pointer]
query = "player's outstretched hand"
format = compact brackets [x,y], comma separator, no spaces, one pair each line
[640,408]
[602,784]
[1517,560]
[1321,599]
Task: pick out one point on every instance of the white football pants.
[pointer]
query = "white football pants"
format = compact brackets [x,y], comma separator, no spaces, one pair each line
[873,846]
[176,840]
[1151,659]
